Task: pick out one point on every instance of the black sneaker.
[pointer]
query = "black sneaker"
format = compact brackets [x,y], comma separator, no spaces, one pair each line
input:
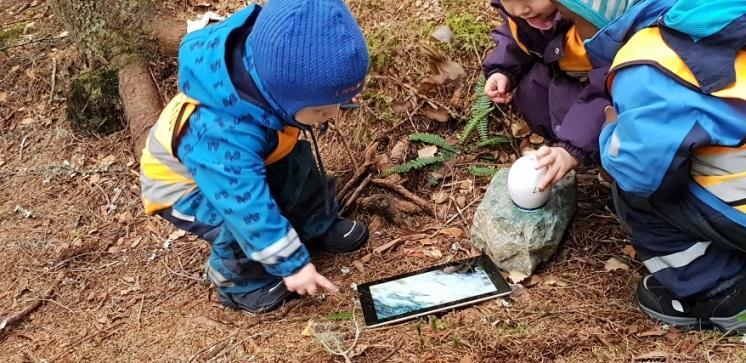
[345,235]
[725,311]
[657,302]
[263,300]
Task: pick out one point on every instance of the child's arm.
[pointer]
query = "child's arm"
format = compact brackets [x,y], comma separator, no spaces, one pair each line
[507,57]
[578,132]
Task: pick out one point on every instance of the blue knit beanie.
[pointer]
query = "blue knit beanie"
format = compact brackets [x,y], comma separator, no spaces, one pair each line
[308,53]
[598,12]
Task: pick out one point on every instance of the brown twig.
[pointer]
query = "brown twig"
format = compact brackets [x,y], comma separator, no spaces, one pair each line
[346,144]
[370,154]
[8,322]
[422,203]
[356,193]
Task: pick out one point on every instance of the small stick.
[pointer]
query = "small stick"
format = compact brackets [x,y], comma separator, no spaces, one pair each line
[346,144]
[425,205]
[54,79]
[452,218]
[356,193]
[14,319]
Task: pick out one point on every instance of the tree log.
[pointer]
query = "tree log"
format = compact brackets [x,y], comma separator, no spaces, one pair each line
[141,100]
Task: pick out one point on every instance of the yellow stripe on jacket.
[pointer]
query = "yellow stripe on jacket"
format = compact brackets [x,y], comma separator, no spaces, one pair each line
[163,178]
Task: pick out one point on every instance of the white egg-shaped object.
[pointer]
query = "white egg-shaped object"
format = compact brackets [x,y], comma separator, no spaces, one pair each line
[522,180]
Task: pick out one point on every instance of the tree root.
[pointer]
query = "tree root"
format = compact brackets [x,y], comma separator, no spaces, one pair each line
[422,203]
[392,209]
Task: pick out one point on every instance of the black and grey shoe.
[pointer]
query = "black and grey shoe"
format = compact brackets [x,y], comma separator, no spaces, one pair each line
[345,235]
[263,300]
[726,310]
[657,302]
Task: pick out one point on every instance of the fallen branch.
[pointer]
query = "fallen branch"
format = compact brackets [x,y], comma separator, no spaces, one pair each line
[356,193]
[8,322]
[370,155]
[422,203]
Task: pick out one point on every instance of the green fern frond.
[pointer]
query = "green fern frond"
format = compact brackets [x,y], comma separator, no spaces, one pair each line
[483,171]
[483,128]
[415,164]
[480,111]
[433,139]
[494,141]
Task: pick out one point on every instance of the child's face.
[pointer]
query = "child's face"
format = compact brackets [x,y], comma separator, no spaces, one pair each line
[317,114]
[538,13]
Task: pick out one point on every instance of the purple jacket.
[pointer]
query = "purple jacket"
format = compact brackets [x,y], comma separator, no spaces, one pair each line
[566,110]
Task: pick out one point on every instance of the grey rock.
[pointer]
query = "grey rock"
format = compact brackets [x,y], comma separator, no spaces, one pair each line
[516,239]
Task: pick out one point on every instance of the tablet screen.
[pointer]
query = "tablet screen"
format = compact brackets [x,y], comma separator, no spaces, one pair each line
[421,292]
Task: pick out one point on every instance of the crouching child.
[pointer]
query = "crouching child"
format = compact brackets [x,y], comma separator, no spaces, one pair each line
[224,161]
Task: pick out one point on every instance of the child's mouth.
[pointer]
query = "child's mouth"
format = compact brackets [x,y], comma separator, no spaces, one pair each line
[541,22]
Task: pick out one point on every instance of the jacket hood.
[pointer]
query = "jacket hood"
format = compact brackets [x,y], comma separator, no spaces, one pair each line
[212,70]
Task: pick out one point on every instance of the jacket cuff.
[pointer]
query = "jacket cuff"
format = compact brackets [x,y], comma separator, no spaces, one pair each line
[576,152]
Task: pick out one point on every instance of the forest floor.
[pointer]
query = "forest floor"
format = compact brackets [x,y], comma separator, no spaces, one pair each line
[114,285]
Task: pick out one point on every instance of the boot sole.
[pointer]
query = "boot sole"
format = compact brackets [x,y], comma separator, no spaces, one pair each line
[677,321]
[735,323]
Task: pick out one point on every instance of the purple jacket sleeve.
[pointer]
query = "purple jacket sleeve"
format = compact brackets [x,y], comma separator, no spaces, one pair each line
[579,131]
[507,57]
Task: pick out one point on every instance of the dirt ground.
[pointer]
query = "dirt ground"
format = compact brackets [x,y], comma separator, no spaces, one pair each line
[115,285]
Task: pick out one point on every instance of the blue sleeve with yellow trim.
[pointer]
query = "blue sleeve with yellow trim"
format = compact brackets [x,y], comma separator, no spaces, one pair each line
[660,122]
[226,160]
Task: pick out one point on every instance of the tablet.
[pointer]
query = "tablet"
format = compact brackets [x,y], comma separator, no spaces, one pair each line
[439,288]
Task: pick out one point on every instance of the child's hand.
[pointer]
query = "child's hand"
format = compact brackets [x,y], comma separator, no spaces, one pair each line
[558,162]
[497,88]
[307,281]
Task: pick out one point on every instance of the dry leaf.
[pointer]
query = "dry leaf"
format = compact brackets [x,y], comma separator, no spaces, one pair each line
[427,151]
[399,151]
[387,246]
[402,107]
[451,70]
[536,139]
[136,242]
[658,332]
[516,277]
[614,264]
[503,157]
[440,197]
[653,356]
[440,115]
[442,34]
[466,359]
[27,121]
[461,201]
[359,266]
[434,253]
[108,161]
[3,96]
[454,232]
[552,280]
[629,251]
[308,331]
[177,234]
[533,281]
[519,128]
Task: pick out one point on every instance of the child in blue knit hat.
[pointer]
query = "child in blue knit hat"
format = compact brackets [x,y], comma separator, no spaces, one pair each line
[675,145]
[224,161]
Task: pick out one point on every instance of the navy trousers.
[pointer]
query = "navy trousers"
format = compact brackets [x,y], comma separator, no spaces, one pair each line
[689,247]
